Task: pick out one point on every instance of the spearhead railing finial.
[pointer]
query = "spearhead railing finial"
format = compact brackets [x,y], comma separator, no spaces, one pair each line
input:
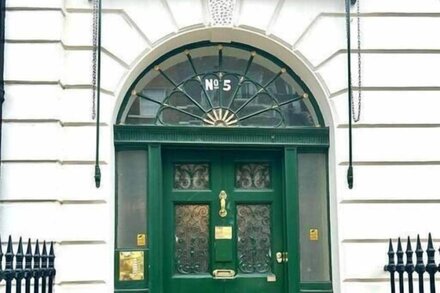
[52,271]
[19,274]
[9,273]
[37,266]
[391,267]
[9,256]
[400,267]
[409,267]
[420,266]
[44,268]
[431,267]
[27,266]
[399,253]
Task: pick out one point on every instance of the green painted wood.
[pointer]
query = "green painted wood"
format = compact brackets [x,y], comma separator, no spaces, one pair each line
[155,217]
[156,261]
[222,169]
[302,136]
[273,196]
[131,290]
[183,283]
[316,291]
[317,287]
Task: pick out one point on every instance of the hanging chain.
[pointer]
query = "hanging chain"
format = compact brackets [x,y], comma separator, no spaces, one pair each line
[94,54]
[357,117]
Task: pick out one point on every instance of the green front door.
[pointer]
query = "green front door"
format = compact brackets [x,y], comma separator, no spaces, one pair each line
[223,221]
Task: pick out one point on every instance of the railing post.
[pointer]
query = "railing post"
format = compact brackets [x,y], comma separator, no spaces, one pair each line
[19,272]
[431,267]
[36,269]
[44,268]
[391,267]
[409,268]
[28,267]
[9,273]
[420,266]
[52,271]
[400,267]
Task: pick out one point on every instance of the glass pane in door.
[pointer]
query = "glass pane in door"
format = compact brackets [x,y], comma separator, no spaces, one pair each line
[252,176]
[191,176]
[254,238]
[192,239]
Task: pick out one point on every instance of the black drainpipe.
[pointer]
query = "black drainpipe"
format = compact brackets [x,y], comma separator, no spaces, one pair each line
[2,64]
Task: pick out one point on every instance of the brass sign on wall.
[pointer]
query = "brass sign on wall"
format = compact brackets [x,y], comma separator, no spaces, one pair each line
[141,240]
[223,232]
[314,234]
[131,266]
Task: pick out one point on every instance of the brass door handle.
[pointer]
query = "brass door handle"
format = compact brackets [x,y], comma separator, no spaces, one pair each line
[282,257]
[285,257]
[223,196]
[279,257]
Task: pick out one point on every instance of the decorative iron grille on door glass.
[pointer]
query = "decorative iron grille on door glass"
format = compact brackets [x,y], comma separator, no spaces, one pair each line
[219,85]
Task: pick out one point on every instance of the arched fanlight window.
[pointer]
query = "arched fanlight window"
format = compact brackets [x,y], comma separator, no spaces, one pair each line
[219,85]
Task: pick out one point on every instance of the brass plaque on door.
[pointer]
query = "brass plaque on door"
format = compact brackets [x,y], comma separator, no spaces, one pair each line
[223,232]
[131,266]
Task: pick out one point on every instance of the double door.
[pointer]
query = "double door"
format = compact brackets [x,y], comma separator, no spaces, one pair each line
[223,222]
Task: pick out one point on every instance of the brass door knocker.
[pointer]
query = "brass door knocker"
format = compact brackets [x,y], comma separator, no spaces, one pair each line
[223,196]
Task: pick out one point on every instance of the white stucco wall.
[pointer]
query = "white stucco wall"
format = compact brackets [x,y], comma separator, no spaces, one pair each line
[47,188]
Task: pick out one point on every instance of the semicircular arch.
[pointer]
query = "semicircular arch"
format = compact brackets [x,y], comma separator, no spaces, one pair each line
[225,84]
[290,58]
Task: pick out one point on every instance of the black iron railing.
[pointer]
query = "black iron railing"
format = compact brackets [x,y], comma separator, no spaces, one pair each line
[408,268]
[30,270]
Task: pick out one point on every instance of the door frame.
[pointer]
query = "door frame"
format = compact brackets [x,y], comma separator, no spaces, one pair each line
[287,140]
